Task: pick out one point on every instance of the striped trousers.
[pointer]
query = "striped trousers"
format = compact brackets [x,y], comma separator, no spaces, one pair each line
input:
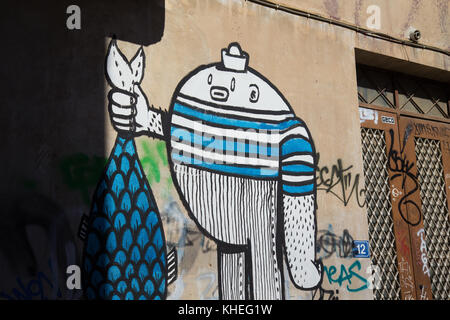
[240,214]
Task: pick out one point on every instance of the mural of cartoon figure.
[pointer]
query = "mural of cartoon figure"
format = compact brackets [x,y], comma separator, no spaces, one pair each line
[125,254]
[244,167]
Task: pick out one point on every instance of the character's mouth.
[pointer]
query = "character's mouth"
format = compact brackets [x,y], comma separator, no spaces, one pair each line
[219,93]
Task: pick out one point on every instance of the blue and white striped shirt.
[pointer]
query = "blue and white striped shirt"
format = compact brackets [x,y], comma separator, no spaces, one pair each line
[272,145]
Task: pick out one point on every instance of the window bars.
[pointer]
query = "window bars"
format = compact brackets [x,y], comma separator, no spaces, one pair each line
[402,92]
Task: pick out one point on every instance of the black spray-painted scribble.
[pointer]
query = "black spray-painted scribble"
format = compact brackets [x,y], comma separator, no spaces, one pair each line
[401,167]
[323,294]
[328,243]
[340,182]
[435,131]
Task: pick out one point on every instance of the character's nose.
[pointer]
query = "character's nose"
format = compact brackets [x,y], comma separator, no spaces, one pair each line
[219,93]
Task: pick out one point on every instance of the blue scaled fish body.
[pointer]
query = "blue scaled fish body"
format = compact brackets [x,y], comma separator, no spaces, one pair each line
[125,256]
[125,252]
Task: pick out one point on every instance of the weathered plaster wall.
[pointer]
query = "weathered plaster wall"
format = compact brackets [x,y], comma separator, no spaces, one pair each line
[430,17]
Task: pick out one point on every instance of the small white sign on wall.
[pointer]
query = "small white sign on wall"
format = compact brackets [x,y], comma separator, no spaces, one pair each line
[388,120]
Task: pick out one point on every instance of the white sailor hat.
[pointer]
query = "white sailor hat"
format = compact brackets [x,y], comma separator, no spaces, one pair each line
[234,58]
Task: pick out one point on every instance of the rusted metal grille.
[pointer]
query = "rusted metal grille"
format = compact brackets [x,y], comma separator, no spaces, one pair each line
[379,213]
[435,214]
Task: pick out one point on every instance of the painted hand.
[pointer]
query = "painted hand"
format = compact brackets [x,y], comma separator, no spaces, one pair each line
[128,106]
[129,111]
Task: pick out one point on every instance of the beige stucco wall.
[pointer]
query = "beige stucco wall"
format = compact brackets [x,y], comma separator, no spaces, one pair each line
[313,64]
[396,17]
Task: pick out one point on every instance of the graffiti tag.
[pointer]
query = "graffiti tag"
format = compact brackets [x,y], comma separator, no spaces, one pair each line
[423,250]
[340,182]
[33,289]
[401,166]
[437,132]
[346,276]
[330,243]
[323,294]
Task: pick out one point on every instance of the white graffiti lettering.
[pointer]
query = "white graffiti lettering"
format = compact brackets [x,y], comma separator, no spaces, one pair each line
[423,250]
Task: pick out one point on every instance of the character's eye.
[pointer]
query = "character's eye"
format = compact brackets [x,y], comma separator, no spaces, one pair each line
[210,78]
[233,84]
[254,93]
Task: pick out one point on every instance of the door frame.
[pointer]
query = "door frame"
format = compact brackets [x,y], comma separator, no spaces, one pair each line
[400,130]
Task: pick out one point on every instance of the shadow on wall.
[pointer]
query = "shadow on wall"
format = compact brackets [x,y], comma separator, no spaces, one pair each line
[52,100]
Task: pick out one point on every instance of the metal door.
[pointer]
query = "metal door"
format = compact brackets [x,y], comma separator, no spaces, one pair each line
[426,148]
[405,160]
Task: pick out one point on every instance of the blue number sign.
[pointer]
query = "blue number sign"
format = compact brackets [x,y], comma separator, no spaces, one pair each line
[361,249]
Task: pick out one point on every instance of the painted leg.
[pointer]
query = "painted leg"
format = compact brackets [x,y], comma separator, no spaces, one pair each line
[266,275]
[266,272]
[231,275]
[261,222]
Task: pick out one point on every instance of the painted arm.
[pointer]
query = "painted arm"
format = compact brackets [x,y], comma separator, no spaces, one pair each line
[128,105]
[299,206]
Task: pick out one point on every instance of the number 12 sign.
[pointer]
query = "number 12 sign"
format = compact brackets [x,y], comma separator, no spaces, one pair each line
[361,249]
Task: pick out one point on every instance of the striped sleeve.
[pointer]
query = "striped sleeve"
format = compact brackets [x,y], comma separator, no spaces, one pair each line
[297,161]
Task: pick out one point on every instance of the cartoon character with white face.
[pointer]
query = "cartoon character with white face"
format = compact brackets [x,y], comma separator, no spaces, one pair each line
[244,167]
